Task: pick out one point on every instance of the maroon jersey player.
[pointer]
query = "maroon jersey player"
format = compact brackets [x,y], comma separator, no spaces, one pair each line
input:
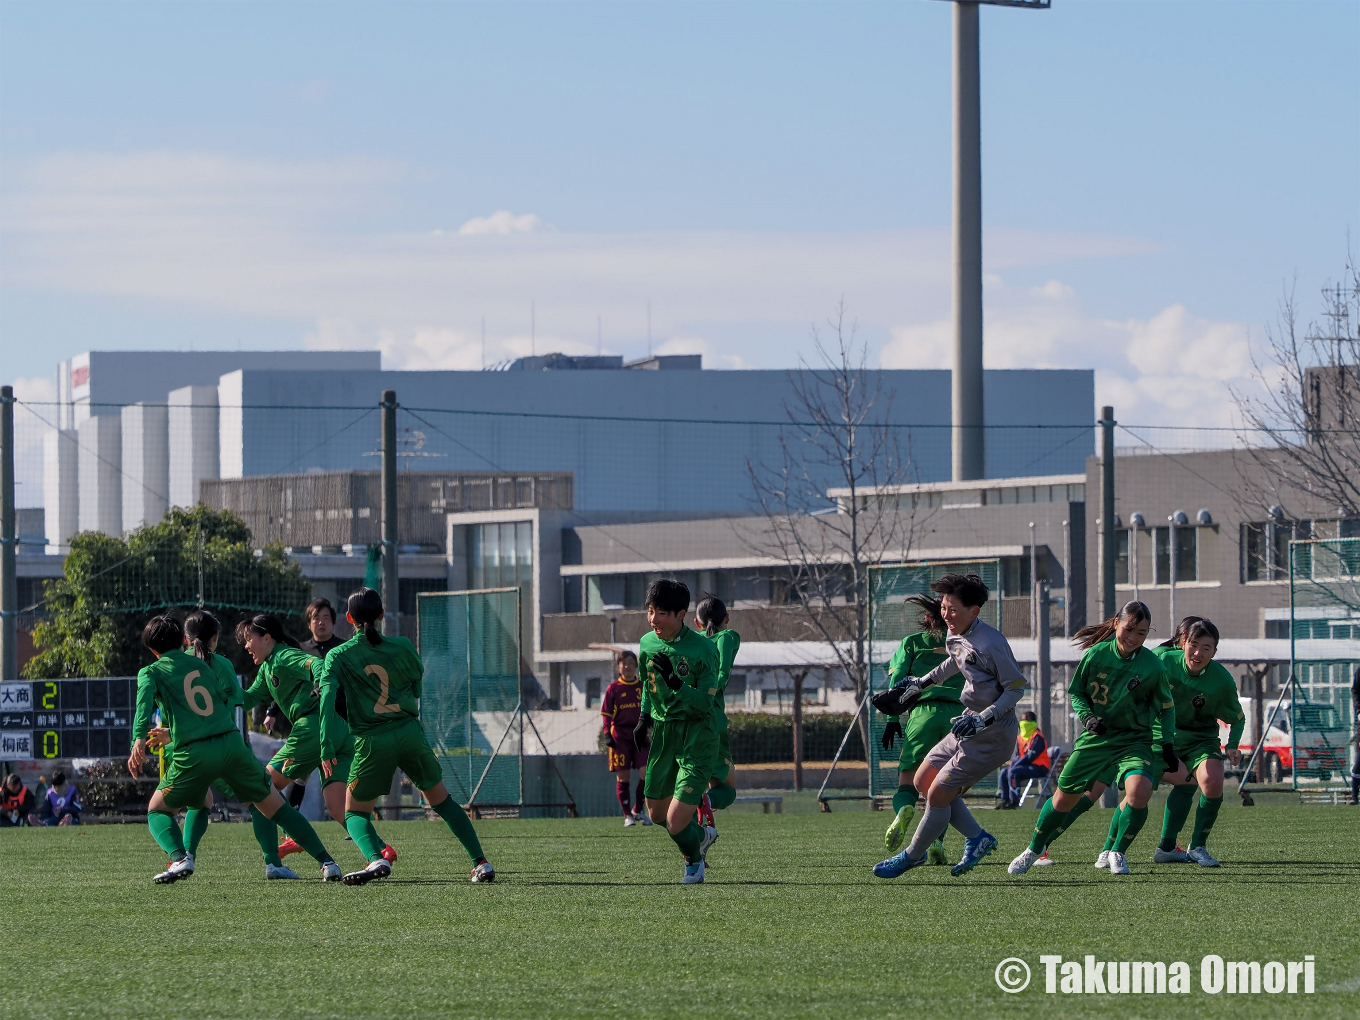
[620,711]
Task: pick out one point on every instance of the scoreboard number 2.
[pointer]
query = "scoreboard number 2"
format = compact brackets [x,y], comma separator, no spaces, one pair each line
[49,697]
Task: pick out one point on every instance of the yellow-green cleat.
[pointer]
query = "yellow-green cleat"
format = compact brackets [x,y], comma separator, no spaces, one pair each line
[935,852]
[897,831]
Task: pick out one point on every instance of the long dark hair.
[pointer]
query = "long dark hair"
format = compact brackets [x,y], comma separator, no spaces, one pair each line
[931,617]
[1199,629]
[163,634]
[1095,633]
[200,627]
[366,609]
[1186,623]
[710,613]
[264,624]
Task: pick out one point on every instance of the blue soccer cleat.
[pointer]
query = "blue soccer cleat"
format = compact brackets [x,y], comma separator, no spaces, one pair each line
[973,851]
[897,864]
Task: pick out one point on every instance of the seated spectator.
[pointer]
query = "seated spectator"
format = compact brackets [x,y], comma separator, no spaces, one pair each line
[17,804]
[1030,761]
[61,805]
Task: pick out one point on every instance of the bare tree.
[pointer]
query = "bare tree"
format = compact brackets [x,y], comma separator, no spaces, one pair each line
[839,437]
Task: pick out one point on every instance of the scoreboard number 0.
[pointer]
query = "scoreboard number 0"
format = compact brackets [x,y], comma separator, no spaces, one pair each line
[51,745]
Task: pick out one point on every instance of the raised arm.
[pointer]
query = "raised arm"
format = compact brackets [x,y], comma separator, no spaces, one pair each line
[941,673]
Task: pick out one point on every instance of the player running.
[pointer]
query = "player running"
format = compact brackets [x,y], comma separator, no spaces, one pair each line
[928,721]
[1117,690]
[381,679]
[711,617]
[197,696]
[620,711]
[980,740]
[679,681]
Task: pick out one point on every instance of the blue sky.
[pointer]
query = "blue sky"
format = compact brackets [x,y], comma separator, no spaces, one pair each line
[280,175]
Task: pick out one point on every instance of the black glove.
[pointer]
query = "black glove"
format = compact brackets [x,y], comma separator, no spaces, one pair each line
[609,741]
[1169,756]
[1094,724]
[661,662]
[899,699]
[967,725]
[642,732]
[890,733]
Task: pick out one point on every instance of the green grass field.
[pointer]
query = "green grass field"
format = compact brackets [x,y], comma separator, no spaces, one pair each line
[587,920]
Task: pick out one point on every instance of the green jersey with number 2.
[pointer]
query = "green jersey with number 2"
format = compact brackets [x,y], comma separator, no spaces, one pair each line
[381,684]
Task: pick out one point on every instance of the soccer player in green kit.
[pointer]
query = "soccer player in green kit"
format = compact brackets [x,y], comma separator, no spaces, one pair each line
[712,620]
[381,678]
[928,722]
[1117,691]
[197,696]
[679,681]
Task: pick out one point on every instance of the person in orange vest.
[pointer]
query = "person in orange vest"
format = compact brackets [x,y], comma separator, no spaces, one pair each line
[1030,761]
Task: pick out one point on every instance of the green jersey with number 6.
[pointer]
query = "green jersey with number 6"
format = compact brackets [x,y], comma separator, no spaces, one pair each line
[381,684]
[197,698]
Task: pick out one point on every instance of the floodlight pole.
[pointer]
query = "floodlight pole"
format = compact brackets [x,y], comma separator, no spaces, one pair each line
[391,593]
[9,595]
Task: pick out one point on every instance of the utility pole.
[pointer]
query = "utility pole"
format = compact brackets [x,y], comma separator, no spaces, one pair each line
[1107,550]
[1043,667]
[391,593]
[9,589]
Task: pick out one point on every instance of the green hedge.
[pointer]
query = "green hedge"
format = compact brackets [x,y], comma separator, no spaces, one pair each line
[758,737]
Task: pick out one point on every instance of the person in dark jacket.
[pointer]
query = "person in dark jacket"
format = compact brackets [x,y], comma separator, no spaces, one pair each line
[1030,761]
[17,803]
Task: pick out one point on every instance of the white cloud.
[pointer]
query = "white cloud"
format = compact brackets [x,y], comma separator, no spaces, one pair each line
[503,222]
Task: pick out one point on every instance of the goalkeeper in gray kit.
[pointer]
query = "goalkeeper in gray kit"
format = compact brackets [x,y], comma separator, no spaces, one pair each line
[981,739]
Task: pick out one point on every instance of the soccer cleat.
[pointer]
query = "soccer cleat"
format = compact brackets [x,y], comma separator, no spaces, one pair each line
[897,830]
[375,869]
[1118,866]
[710,837]
[973,851]
[1201,857]
[1044,860]
[1027,859]
[289,846]
[278,871]
[935,853]
[1103,861]
[629,821]
[643,817]
[1176,856]
[897,865]
[483,872]
[182,868]
[694,873]
[330,872]
[706,811]
[389,854]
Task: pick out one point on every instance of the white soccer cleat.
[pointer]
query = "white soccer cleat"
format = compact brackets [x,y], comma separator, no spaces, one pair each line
[629,821]
[710,837]
[280,871]
[1044,860]
[376,869]
[1202,857]
[643,817]
[182,868]
[694,873]
[1024,862]
[330,872]
[1103,861]
[1118,866]
[484,872]
[1176,856]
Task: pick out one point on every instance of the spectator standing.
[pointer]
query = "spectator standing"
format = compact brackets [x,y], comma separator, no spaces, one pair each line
[620,712]
[1030,761]
[18,806]
[61,803]
[320,617]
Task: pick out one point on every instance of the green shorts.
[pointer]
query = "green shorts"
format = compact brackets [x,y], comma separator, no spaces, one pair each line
[683,756]
[927,724]
[1098,761]
[300,754]
[1197,750]
[724,768]
[379,754]
[195,766]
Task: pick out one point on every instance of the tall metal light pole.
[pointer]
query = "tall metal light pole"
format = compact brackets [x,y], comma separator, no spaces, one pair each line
[9,595]
[391,593]
[969,440]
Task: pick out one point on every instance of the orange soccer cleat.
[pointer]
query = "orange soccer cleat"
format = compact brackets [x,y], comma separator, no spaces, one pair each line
[389,854]
[289,846]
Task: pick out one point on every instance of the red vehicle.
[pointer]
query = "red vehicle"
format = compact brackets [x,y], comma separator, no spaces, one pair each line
[1315,734]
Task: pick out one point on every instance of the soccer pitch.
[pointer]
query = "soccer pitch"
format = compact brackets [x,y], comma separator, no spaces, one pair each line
[586,919]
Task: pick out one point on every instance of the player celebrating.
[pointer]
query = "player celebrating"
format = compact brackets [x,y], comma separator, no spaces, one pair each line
[197,696]
[1117,690]
[928,722]
[381,679]
[1204,693]
[980,740]
[620,710]
[680,678]
[711,616]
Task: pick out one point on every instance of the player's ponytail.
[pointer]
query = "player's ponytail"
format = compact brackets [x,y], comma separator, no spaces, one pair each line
[366,609]
[265,624]
[710,614]
[1176,639]
[931,617]
[200,627]
[1095,633]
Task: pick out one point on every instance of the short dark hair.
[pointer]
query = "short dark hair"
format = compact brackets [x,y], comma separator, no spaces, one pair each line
[967,588]
[623,655]
[1028,717]
[315,607]
[668,595]
[163,634]
[58,777]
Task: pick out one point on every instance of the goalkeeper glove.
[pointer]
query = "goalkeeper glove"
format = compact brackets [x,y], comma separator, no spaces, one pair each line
[967,725]
[609,741]
[642,732]
[890,733]
[661,662]
[899,699]
[1094,724]
[1169,756]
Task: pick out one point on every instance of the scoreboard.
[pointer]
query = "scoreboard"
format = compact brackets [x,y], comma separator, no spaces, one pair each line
[67,718]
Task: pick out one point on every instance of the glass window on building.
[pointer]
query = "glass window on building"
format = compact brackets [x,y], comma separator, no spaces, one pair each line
[592,692]
[1121,556]
[501,555]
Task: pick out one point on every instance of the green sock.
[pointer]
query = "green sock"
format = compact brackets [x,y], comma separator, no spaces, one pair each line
[267,835]
[195,825]
[1204,818]
[165,831]
[1115,819]
[457,820]
[1178,803]
[360,828]
[689,840]
[906,796]
[291,821]
[722,796]
[1084,805]
[1129,825]
[1050,818]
